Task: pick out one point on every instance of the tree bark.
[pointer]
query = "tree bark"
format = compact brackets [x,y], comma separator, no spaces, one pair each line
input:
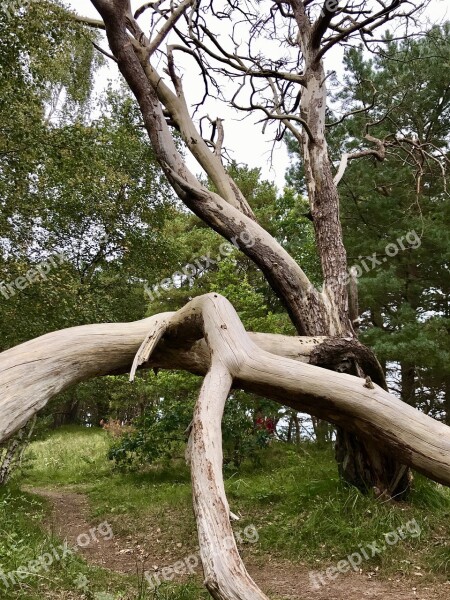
[313,313]
[227,212]
[15,450]
[207,336]
[34,372]
[359,464]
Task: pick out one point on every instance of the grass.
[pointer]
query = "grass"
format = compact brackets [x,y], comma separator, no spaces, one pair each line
[69,455]
[301,510]
[305,514]
[22,540]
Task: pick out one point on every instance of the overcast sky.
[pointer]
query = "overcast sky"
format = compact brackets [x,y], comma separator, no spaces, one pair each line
[245,139]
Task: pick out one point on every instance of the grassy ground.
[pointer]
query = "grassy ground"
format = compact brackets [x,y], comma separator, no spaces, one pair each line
[300,509]
[22,540]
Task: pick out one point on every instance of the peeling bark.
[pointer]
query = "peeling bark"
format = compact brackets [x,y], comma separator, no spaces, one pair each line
[359,463]
[227,211]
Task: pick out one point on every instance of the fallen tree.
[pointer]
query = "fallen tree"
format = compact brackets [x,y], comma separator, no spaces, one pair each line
[326,371]
[206,337]
[272,365]
[286,86]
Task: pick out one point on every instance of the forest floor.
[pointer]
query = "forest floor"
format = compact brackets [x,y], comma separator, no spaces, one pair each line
[70,517]
[296,521]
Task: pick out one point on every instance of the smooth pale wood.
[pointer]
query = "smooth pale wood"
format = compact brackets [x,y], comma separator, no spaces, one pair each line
[214,318]
[164,107]
[213,340]
[226,211]
[152,339]
[226,577]
[34,372]
[414,438]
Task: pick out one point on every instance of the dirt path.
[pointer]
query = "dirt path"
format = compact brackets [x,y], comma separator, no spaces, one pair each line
[69,521]
[284,580]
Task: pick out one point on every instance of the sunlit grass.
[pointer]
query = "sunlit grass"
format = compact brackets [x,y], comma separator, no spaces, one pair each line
[69,455]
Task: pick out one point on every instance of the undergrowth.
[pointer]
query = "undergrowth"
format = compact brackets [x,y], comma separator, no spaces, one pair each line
[301,510]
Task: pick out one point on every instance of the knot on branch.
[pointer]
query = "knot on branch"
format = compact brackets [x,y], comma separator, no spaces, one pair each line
[345,356]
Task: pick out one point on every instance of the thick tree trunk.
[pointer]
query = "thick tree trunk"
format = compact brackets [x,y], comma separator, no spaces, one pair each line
[227,211]
[360,464]
[207,337]
[279,367]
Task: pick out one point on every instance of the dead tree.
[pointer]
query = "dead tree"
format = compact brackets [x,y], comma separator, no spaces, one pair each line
[290,90]
[207,338]
[325,372]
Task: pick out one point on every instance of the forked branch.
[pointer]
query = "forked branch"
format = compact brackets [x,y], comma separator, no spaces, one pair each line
[207,336]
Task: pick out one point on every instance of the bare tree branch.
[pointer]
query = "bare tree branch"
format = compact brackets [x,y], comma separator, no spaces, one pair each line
[168,26]
[372,22]
[95,23]
[379,153]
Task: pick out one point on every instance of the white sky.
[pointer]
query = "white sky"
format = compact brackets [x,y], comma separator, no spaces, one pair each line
[244,139]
